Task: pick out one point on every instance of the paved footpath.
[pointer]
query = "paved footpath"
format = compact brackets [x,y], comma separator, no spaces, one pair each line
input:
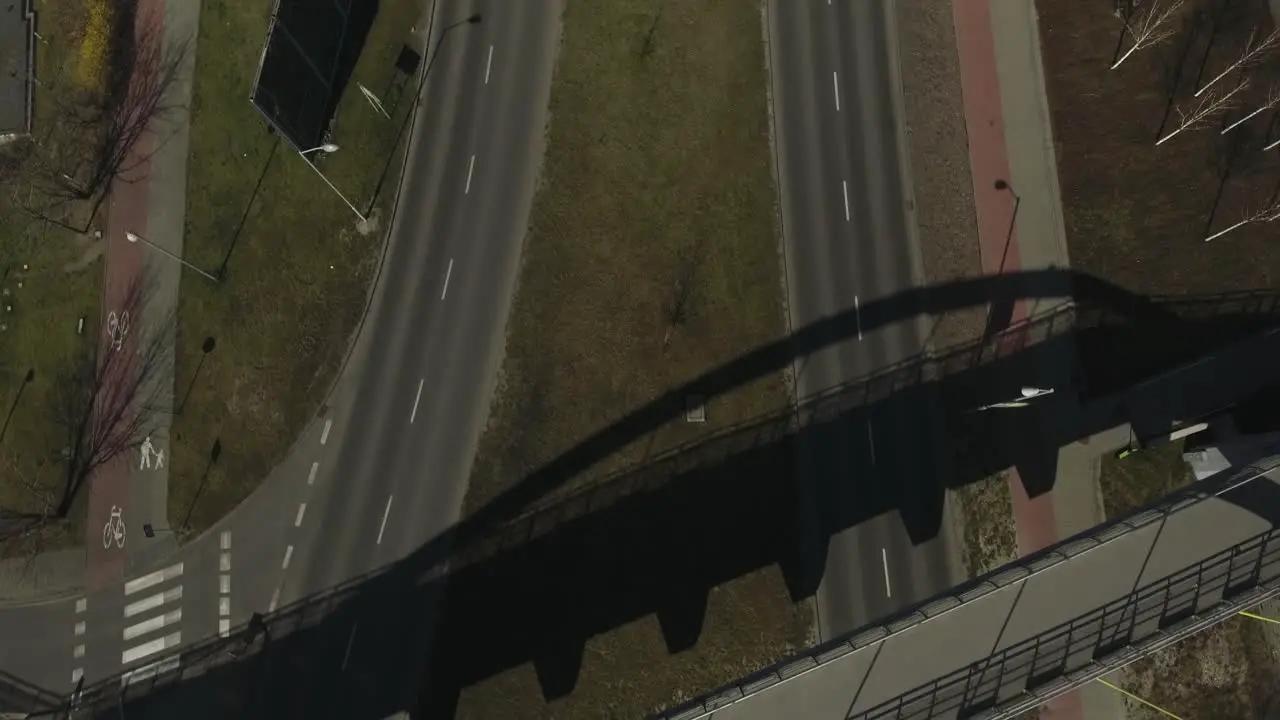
[150,202]
[1020,226]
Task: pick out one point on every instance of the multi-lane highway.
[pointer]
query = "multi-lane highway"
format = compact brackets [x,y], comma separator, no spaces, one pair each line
[848,240]
[387,467]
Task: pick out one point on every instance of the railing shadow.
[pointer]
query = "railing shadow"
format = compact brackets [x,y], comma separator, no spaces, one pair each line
[532,581]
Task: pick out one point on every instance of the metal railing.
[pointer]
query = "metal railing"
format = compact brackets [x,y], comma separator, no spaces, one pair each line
[1115,644]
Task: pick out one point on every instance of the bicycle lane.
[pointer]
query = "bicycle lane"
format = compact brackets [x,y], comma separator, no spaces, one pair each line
[996,203]
[123,270]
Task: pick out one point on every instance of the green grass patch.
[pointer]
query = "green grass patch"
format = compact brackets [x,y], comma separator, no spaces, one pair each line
[1141,478]
[652,258]
[50,277]
[297,271]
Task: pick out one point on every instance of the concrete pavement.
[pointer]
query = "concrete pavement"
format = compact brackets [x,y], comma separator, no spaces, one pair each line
[849,239]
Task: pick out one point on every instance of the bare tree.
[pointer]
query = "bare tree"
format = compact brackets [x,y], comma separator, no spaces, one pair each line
[1151,28]
[1272,100]
[1254,51]
[1265,214]
[1210,104]
[104,401]
[95,137]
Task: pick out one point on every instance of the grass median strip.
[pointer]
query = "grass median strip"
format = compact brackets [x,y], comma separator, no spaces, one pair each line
[296,269]
[652,258]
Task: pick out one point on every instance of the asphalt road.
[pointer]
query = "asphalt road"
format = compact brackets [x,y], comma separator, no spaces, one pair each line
[387,467]
[406,424]
[846,222]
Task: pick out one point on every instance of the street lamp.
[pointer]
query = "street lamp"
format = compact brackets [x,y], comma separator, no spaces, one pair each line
[1028,393]
[473,19]
[131,237]
[326,149]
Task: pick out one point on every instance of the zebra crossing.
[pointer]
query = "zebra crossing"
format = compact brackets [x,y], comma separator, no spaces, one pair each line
[152,622]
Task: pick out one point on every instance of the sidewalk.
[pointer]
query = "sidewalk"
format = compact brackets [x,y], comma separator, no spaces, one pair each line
[1020,227]
[150,202]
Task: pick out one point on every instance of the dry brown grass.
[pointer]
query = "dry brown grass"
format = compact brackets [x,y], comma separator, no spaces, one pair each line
[654,167]
[1134,212]
[939,148]
[1228,671]
[1141,478]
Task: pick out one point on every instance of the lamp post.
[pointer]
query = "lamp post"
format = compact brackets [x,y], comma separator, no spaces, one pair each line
[209,344]
[26,380]
[326,149]
[417,98]
[1027,394]
[134,238]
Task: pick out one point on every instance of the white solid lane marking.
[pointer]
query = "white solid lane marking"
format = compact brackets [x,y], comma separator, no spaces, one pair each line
[224,607]
[288,555]
[302,510]
[416,398]
[347,655]
[79,628]
[275,599]
[311,477]
[151,648]
[447,274]
[324,436]
[489,64]
[81,605]
[78,651]
[835,82]
[871,441]
[845,186]
[152,602]
[225,540]
[153,579]
[857,313]
[224,584]
[385,513]
[884,558]
[152,624]
[224,627]
[470,169]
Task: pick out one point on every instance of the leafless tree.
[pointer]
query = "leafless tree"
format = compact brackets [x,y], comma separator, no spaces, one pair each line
[1272,100]
[1152,27]
[98,132]
[105,401]
[1267,213]
[1254,51]
[1210,104]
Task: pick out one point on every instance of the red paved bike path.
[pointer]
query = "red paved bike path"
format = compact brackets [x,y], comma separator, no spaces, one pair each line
[126,211]
[998,243]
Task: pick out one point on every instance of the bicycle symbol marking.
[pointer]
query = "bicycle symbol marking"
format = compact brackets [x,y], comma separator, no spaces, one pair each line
[113,531]
[117,328]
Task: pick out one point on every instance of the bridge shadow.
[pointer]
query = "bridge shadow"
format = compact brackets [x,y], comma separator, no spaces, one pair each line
[527,579]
